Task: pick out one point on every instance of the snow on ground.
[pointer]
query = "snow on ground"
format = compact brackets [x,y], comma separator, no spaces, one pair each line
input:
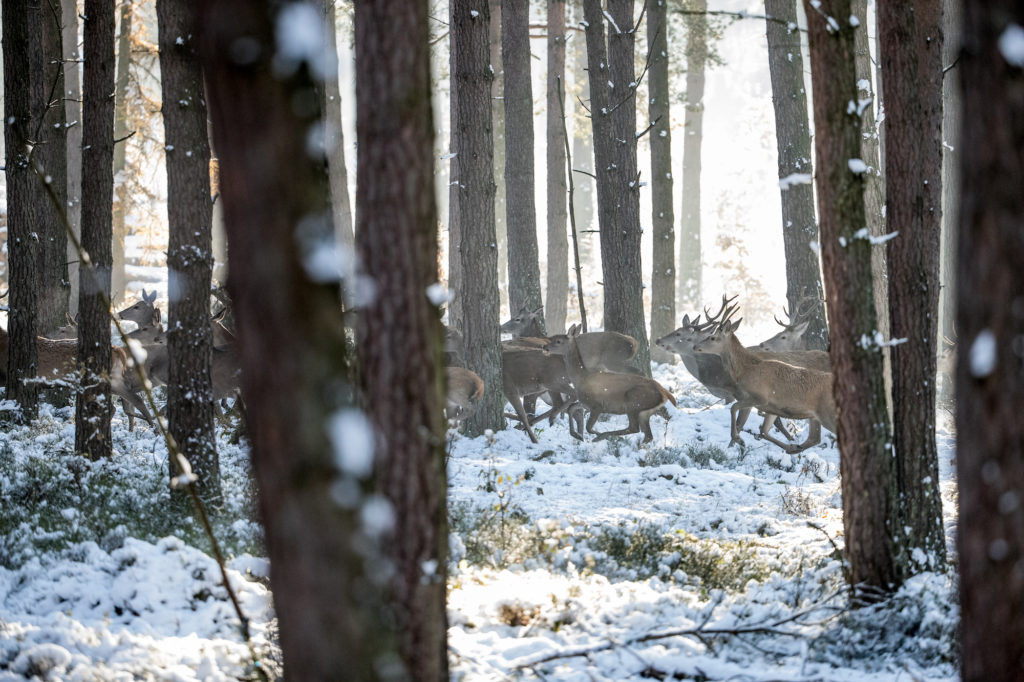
[559,548]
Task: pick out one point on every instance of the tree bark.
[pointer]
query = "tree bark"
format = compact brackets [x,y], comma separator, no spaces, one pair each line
[400,336]
[73,118]
[613,116]
[520,206]
[474,148]
[498,124]
[25,198]
[793,136]
[690,271]
[122,190]
[454,180]
[190,244]
[583,156]
[312,467]
[94,407]
[341,203]
[990,381]
[51,151]
[911,41]
[663,271]
[870,514]
[558,239]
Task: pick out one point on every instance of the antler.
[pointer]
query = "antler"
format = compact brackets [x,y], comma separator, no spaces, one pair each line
[725,302]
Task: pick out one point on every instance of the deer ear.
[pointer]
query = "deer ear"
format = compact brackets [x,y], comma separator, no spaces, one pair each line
[686,320]
[735,325]
[801,328]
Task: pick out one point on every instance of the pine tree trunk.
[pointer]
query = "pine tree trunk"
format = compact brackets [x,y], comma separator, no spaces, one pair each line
[870,513]
[558,239]
[51,151]
[498,120]
[25,200]
[474,148]
[341,203]
[520,206]
[613,114]
[454,182]
[874,180]
[690,271]
[793,136]
[311,475]
[400,335]
[663,271]
[584,198]
[121,193]
[911,40]
[990,384]
[190,244]
[94,407]
[73,116]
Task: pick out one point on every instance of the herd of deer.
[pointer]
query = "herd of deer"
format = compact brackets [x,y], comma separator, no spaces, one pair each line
[58,357]
[592,371]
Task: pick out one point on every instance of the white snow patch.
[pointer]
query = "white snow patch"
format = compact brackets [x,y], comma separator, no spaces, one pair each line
[795,179]
[353,439]
[982,356]
[1011,45]
[301,37]
[857,166]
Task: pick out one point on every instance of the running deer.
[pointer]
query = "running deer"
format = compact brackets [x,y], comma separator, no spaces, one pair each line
[603,351]
[774,387]
[526,373]
[57,361]
[610,393]
[792,335]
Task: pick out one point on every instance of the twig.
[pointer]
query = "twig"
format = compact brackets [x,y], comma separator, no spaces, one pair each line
[572,212]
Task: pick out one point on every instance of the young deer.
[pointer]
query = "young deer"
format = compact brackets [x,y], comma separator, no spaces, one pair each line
[610,393]
[530,373]
[774,387]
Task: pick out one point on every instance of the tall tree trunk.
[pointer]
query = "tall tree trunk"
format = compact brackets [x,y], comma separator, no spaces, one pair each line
[51,151]
[309,445]
[400,335]
[121,193]
[583,155]
[474,148]
[793,136]
[952,17]
[911,39]
[990,323]
[454,188]
[341,203]
[190,244]
[498,121]
[558,239]
[94,408]
[25,198]
[870,514]
[663,271]
[613,116]
[874,180]
[73,118]
[520,206]
[690,271]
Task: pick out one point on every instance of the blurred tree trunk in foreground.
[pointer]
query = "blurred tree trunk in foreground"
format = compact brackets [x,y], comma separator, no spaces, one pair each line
[990,323]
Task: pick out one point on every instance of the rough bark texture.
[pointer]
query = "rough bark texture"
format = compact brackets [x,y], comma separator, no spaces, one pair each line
[474,148]
[874,179]
[94,408]
[400,335]
[557,293]
[585,198]
[341,203]
[73,117]
[689,273]
[190,244]
[990,373]
[51,151]
[122,191]
[793,137]
[25,200]
[326,567]
[454,232]
[498,126]
[520,206]
[952,20]
[911,40]
[663,266]
[866,463]
[613,116]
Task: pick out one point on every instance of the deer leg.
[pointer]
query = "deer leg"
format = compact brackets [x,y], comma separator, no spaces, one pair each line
[634,427]
[576,420]
[767,426]
[517,403]
[780,427]
[813,438]
[591,420]
[741,417]
[734,431]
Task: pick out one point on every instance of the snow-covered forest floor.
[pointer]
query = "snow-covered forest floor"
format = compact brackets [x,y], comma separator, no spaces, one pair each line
[570,561]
